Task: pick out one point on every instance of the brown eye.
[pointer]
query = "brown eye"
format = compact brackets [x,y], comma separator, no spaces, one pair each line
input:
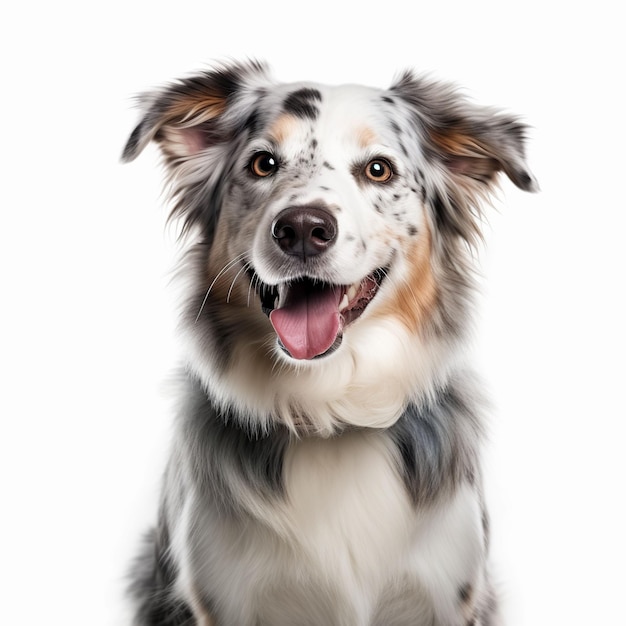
[263,164]
[378,171]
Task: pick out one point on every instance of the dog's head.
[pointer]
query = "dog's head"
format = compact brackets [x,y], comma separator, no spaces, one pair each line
[325,207]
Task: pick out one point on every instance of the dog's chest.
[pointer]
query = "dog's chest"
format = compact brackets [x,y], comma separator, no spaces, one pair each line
[350,517]
[345,493]
[350,523]
[348,544]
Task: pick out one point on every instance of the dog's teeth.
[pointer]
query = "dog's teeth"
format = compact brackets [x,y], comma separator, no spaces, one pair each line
[344,302]
[352,292]
[276,299]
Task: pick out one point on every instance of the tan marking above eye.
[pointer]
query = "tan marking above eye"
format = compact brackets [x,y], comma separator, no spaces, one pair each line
[378,171]
[366,137]
[282,128]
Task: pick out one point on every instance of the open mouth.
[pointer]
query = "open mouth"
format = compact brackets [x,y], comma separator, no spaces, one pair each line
[309,316]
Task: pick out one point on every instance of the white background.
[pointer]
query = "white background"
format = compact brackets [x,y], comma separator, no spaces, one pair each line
[87,320]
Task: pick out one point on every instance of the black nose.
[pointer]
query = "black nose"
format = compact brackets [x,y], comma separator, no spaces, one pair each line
[304,231]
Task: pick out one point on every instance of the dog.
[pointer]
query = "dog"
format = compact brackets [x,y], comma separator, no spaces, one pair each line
[325,468]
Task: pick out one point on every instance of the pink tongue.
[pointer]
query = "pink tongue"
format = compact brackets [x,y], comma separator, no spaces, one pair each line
[308,322]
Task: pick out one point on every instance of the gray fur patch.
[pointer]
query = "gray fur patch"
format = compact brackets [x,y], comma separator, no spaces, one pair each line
[234,455]
[152,582]
[438,442]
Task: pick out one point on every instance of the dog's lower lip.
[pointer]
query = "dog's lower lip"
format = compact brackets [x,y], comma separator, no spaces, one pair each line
[330,350]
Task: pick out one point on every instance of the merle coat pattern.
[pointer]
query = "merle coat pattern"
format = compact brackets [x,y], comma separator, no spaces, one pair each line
[325,467]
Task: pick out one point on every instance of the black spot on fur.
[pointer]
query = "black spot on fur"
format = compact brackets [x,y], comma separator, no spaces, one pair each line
[388,100]
[465,593]
[328,166]
[302,103]
[396,128]
[442,215]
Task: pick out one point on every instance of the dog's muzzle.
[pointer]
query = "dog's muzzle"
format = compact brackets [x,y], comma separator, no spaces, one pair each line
[308,313]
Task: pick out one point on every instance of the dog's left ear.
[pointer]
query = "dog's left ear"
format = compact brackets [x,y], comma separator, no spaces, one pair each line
[471,143]
[465,147]
[189,116]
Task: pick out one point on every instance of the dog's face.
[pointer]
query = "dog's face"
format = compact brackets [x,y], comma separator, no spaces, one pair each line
[325,213]
[320,202]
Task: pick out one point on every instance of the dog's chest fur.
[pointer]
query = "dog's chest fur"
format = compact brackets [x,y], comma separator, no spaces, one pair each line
[346,546]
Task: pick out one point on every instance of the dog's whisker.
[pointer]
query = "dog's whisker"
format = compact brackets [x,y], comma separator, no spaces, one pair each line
[252,284]
[259,285]
[232,285]
[230,264]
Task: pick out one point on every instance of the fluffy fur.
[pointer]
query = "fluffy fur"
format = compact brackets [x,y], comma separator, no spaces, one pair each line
[325,468]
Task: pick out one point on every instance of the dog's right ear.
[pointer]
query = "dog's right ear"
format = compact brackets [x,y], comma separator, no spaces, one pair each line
[186,117]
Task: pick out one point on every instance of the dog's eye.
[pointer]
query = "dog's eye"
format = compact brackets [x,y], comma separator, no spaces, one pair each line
[378,171]
[263,164]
